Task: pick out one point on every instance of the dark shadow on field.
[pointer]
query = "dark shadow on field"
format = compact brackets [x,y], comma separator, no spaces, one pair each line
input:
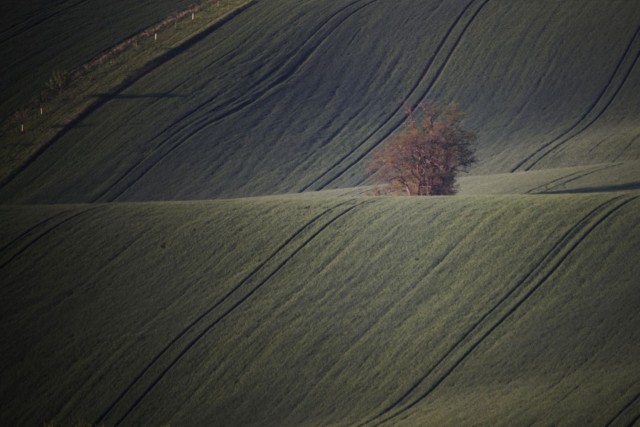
[63,125]
[603,189]
[128,82]
[135,96]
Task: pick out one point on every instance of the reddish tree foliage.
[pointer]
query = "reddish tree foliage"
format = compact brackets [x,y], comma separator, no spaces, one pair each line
[425,157]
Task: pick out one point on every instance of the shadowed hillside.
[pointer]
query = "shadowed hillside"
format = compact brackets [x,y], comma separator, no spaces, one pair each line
[291,96]
[320,310]
[38,38]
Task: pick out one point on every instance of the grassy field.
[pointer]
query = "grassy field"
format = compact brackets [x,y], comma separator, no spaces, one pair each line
[36,39]
[300,310]
[71,94]
[290,96]
[166,258]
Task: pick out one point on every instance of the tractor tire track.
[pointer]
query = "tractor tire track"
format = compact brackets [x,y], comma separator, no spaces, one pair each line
[563,180]
[45,233]
[193,342]
[435,265]
[233,106]
[290,66]
[504,308]
[206,321]
[26,26]
[148,68]
[624,409]
[626,147]
[531,160]
[207,312]
[30,230]
[592,121]
[554,249]
[398,122]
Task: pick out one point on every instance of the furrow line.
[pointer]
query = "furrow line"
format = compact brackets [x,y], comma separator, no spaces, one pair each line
[555,248]
[179,124]
[509,303]
[626,147]
[399,108]
[192,333]
[31,229]
[43,234]
[623,410]
[593,120]
[196,126]
[567,135]
[555,182]
[204,314]
[148,68]
[563,180]
[395,124]
[449,253]
[41,20]
[199,336]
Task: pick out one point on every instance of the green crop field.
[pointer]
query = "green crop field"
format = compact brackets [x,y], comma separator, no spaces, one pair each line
[299,310]
[200,245]
[38,38]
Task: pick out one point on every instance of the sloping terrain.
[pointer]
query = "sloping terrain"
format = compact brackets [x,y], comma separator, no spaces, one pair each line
[319,310]
[291,96]
[188,302]
[38,38]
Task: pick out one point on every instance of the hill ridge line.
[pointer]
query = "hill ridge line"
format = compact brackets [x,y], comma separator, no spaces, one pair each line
[574,176]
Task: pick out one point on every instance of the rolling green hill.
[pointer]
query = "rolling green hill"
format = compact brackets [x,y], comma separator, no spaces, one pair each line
[320,310]
[291,96]
[166,257]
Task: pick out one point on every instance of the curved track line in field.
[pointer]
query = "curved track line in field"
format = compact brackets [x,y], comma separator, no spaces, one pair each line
[209,310]
[288,69]
[202,318]
[623,410]
[592,121]
[148,68]
[555,248]
[195,340]
[44,233]
[423,279]
[563,180]
[40,21]
[550,146]
[28,231]
[626,147]
[547,266]
[397,123]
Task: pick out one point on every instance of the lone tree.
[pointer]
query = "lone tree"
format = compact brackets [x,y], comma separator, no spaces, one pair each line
[425,157]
